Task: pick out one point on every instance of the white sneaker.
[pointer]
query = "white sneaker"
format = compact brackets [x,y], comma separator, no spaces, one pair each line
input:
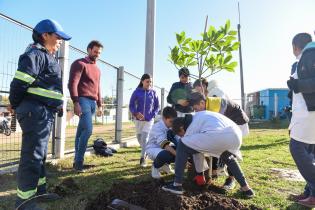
[222,171]
[167,169]
[155,172]
[143,162]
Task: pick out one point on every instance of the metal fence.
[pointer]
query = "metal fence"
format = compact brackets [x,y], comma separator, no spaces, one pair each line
[117,86]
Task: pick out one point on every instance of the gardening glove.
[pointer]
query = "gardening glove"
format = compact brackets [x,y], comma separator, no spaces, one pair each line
[200,180]
[293,85]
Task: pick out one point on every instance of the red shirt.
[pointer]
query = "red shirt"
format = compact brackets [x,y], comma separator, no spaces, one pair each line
[84,80]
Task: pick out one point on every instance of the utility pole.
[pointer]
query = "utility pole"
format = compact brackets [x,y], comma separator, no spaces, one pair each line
[241,59]
[150,38]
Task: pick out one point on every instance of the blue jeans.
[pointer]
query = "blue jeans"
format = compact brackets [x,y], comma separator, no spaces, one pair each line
[164,157]
[84,129]
[36,122]
[183,152]
[304,157]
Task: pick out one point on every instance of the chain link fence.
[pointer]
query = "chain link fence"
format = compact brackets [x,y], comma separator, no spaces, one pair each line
[14,38]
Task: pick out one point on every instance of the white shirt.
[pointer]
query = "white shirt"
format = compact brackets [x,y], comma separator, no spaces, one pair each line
[157,135]
[213,133]
[302,126]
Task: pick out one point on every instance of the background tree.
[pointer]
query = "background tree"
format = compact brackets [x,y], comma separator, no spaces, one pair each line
[210,54]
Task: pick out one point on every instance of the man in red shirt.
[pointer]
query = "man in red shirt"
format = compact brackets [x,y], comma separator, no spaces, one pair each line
[84,87]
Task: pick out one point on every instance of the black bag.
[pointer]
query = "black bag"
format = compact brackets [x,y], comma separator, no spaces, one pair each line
[100,148]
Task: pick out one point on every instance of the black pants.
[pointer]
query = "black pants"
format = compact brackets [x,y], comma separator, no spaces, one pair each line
[164,157]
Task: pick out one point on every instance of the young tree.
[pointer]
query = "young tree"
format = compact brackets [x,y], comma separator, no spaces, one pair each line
[210,54]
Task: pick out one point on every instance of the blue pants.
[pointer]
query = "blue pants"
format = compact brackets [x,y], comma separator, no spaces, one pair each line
[84,129]
[183,152]
[304,157]
[164,157]
[36,122]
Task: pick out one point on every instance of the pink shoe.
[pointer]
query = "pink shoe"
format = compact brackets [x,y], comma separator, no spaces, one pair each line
[308,202]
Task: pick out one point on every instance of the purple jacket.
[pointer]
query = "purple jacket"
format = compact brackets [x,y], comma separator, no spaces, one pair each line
[144,101]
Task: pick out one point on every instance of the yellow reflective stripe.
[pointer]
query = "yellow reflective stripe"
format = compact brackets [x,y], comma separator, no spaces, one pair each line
[45,93]
[41,181]
[24,77]
[26,194]
[213,104]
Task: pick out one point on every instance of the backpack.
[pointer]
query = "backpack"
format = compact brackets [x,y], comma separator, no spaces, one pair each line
[100,148]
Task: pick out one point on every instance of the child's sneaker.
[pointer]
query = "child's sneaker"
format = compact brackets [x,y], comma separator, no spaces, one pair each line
[143,162]
[200,180]
[178,190]
[155,172]
[229,184]
[167,169]
[248,193]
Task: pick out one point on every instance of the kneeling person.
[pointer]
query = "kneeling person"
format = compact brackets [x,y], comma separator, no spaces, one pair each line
[208,132]
[162,143]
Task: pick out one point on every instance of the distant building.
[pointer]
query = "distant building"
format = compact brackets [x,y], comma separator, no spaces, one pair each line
[108,117]
[268,103]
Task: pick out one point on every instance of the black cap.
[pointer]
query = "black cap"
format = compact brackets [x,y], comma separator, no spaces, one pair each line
[183,71]
[195,98]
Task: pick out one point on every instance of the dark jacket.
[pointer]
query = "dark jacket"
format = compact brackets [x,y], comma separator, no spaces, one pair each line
[306,76]
[180,91]
[38,77]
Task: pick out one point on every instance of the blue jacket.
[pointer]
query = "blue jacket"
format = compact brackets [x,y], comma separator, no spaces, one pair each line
[144,101]
[38,77]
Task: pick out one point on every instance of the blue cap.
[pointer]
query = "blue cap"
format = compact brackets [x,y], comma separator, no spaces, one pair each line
[51,26]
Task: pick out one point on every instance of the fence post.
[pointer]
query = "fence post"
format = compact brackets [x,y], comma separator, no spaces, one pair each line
[276,105]
[162,98]
[119,101]
[60,134]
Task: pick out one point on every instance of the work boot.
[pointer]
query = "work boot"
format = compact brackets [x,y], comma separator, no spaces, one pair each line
[28,204]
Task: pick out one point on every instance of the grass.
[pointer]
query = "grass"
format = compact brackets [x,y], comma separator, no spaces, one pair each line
[10,145]
[262,150]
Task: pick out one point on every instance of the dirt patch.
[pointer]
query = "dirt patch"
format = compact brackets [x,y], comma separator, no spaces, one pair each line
[66,188]
[149,195]
[288,174]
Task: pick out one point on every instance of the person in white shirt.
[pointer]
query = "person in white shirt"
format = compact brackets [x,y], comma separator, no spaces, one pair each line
[162,144]
[302,125]
[212,133]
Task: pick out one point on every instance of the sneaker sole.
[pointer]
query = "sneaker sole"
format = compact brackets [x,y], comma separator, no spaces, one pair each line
[307,205]
[173,191]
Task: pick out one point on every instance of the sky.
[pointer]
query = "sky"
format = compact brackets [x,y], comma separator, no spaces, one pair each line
[267,29]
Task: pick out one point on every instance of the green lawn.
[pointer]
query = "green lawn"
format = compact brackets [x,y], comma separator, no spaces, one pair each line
[10,145]
[262,150]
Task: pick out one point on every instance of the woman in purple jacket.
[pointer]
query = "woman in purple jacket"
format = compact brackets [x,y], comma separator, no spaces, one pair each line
[144,106]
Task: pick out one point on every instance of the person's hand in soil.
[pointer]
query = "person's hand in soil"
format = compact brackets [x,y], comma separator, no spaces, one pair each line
[139,116]
[170,149]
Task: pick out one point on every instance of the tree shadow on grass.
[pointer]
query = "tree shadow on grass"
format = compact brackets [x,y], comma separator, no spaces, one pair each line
[279,142]
[296,206]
